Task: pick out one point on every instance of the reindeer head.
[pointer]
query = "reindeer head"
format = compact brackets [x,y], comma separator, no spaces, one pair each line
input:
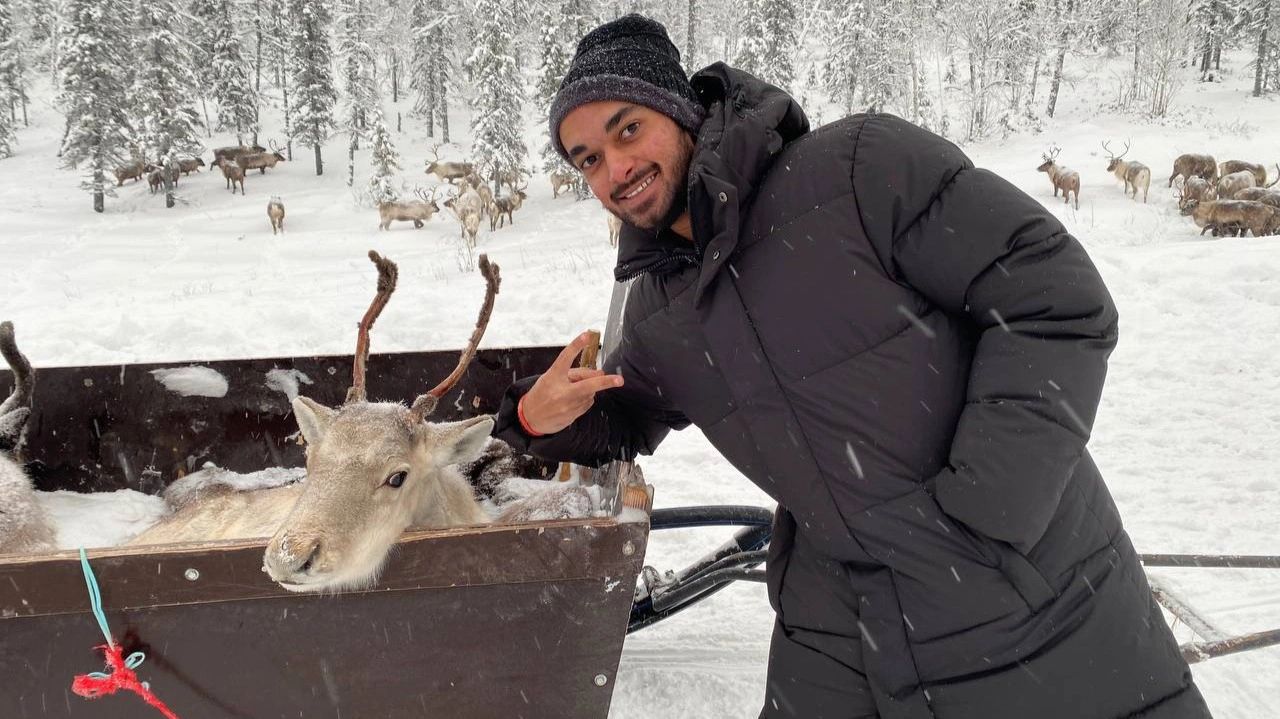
[375,469]
[1049,158]
[276,151]
[1113,159]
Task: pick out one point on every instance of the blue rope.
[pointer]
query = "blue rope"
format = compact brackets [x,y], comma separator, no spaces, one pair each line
[134,660]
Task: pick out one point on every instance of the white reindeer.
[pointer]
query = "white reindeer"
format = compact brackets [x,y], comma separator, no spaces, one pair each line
[24,529]
[373,470]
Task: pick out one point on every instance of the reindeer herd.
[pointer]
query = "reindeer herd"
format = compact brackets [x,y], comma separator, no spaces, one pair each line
[1226,199]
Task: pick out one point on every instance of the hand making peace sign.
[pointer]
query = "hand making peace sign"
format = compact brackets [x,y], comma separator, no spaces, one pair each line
[564,393]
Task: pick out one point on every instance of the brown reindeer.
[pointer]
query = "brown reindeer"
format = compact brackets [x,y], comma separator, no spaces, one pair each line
[275,213]
[260,161]
[415,211]
[1234,182]
[232,171]
[234,151]
[1226,215]
[1260,194]
[133,172]
[1061,177]
[190,165]
[447,171]
[503,207]
[1193,165]
[561,180]
[1196,189]
[1133,174]
[1258,171]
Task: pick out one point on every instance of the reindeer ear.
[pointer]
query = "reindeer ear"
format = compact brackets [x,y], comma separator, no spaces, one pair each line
[463,441]
[313,418]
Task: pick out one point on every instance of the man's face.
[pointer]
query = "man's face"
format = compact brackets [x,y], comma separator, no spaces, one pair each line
[635,159]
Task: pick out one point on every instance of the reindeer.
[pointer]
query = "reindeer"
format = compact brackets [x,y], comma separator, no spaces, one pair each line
[1196,189]
[561,180]
[1062,177]
[1218,215]
[448,171]
[1258,171]
[615,228]
[234,151]
[260,161]
[416,211]
[374,469]
[474,182]
[1234,182]
[190,165]
[24,528]
[232,171]
[1193,165]
[275,213]
[155,179]
[133,172]
[1133,174]
[505,205]
[469,207]
[1260,194]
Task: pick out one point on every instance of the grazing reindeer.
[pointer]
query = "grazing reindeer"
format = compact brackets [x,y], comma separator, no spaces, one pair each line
[275,213]
[474,183]
[156,178]
[260,161]
[190,165]
[1234,182]
[1258,171]
[24,528]
[1220,215]
[615,229]
[1193,165]
[1062,178]
[469,208]
[232,171]
[561,180]
[133,172]
[504,206]
[1133,174]
[1197,189]
[416,211]
[374,469]
[448,171]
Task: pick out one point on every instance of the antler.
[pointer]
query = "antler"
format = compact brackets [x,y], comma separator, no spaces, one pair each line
[425,404]
[1052,154]
[1105,146]
[435,152]
[387,273]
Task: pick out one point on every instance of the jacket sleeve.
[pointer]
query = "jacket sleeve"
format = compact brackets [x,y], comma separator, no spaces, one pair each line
[977,247]
[622,424]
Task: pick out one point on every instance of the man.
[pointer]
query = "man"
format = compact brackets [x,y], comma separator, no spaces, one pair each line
[905,351]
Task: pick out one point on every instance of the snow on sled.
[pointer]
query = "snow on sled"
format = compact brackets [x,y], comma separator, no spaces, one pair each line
[525,618]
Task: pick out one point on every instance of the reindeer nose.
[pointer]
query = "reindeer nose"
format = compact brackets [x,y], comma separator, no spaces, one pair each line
[287,558]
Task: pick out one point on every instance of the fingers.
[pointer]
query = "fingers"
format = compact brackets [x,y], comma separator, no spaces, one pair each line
[564,362]
[578,374]
[589,386]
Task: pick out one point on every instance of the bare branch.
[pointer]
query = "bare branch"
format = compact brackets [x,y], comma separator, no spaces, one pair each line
[425,404]
[387,273]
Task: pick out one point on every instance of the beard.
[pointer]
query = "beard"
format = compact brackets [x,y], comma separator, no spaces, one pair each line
[661,212]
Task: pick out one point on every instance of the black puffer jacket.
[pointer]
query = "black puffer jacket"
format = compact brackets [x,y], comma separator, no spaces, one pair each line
[907,353]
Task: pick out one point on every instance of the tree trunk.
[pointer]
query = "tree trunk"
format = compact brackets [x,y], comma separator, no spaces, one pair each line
[24,110]
[288,126]
[1137,47]
[399,128]
[444,112]
[690,46]
[1261,60]
[319,161]
[395,78]
[351,161]
[208,126]
[99,178]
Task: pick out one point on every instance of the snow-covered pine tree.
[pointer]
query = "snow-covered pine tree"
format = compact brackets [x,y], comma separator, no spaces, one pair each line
[391,33]
[165,83]
[577,18]
[753,49]
[384,159]
[496,124]
[313,90]
[551,71]
[778,58]
[95,58]
[842,72]
[8,135]
[690,55]
[359,93]
[230,74]
[434,32]
[8,76]
[163,86]
[1258,24]
[13,61]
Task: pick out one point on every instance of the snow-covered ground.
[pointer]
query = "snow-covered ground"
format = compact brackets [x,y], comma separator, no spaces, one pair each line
[1188,435]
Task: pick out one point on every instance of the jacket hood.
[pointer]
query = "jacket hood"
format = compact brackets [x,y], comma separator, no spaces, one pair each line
[748,123]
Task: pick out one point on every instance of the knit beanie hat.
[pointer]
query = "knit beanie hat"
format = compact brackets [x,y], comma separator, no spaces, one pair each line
[630,59]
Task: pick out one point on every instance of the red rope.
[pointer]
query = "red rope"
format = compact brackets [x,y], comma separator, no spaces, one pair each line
[92,686]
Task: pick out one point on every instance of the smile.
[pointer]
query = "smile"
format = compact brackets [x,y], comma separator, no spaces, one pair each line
[641,187]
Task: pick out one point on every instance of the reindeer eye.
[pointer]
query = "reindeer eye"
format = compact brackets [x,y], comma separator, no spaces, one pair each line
[396,480]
